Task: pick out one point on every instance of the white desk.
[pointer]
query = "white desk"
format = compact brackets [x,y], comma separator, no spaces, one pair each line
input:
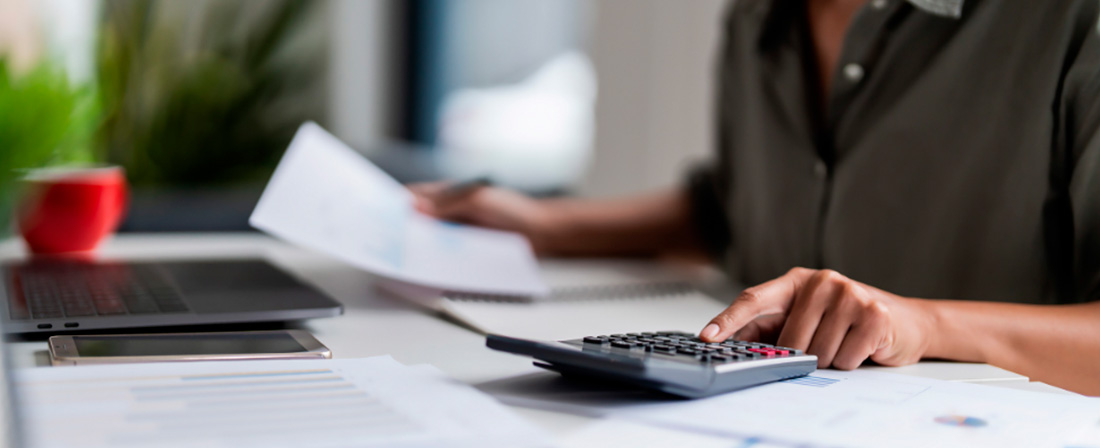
[377,324]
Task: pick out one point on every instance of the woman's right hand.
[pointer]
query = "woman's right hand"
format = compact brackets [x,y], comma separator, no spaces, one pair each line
[490,207]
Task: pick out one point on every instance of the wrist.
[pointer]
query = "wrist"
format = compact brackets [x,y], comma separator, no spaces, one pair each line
[932,330]
[549,230]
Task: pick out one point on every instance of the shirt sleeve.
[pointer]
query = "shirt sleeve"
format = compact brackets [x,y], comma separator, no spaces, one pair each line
[1080,167]
[708,211]
[708,184]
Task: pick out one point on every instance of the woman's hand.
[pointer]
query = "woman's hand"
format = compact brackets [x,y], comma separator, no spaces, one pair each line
[490,207]
[841,321]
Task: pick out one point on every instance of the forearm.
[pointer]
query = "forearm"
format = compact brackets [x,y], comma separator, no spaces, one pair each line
[1057,344]
[651,224]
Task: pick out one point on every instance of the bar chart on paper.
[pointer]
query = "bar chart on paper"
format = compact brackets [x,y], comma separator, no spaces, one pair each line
[300,403]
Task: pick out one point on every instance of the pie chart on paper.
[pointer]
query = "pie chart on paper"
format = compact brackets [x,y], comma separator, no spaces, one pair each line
[961,420]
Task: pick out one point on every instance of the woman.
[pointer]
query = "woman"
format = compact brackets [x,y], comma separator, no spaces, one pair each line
[901,179]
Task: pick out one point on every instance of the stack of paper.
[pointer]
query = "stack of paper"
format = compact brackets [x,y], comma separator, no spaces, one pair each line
[834,408]
[321,403]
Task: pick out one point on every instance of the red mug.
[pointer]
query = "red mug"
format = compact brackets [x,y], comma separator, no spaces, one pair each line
[71,210]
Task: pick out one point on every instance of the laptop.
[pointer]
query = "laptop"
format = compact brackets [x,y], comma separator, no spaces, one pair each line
[51,296]
[11,424]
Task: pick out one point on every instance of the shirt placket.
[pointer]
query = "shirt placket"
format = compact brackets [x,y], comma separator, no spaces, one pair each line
[857,61]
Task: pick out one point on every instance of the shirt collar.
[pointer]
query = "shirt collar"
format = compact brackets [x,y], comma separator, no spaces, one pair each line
[945,8]
[777,14]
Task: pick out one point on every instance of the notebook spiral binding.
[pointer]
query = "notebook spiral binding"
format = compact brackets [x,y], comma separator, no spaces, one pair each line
[632,291]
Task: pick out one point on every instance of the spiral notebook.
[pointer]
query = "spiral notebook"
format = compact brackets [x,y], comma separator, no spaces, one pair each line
[587,298]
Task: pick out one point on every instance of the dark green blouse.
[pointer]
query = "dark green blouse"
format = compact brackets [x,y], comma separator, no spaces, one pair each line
[957,156]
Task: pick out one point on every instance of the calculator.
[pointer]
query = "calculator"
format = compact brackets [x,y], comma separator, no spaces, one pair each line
[673,362]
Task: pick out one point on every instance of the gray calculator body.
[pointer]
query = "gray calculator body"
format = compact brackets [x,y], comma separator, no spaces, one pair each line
[691,368]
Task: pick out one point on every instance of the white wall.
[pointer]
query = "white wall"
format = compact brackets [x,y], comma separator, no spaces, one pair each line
[655,65]
[362,77]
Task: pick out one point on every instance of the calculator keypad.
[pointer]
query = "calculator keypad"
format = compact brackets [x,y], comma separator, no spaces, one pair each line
[683,346]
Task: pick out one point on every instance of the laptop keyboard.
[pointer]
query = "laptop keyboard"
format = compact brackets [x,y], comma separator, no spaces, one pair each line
[57,290]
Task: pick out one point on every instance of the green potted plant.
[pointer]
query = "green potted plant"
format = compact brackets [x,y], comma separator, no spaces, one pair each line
[201,98]
[45,120]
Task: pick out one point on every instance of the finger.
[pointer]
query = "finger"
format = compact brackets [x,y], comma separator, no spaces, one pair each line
[427,189]
[424,195]
[767,298]
[750,332]
[762,329]
[465,208]
[862,341]
[808,307]
[829,336]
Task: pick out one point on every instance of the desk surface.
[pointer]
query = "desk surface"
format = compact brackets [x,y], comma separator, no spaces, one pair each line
[375,323]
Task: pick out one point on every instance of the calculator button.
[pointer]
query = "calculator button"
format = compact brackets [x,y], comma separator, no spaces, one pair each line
[720,358]
[621,344]
[763,352]
[594,340]
[686,351]
[664,348]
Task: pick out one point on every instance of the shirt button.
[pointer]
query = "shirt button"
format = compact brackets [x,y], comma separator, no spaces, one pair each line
[820,170]
[879,4]
[853,72]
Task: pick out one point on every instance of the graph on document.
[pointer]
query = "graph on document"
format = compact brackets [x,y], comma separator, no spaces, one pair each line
[156,409]
[812,381]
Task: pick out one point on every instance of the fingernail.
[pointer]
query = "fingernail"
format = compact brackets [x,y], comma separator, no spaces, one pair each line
[710,331]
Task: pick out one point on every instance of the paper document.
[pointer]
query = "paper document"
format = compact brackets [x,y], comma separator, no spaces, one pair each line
[612,432]
[317,403]
[587,297]
[326,197]
[553,320]
[835,408]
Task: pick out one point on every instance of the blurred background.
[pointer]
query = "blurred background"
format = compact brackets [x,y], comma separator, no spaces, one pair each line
[198,99]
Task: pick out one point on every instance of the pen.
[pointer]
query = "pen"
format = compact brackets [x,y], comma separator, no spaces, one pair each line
[461,188]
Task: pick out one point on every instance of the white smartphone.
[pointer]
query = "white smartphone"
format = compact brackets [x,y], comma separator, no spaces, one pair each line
[167,347]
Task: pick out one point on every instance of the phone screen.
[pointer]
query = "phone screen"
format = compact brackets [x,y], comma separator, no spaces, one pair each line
[197,344]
